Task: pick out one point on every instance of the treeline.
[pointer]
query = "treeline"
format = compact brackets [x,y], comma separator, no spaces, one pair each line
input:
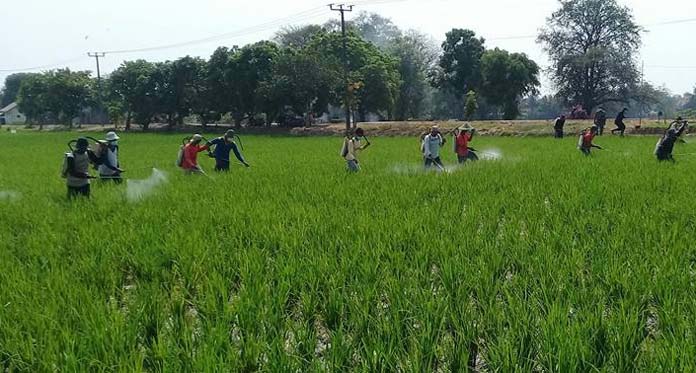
[394,75]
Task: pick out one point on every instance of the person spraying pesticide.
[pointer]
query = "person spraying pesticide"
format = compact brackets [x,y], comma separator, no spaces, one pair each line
[109,167]
[351,146]
[462,137]
[76,168]
[188,155]
[431,145]
[221,151]
[664,148]
[585,143]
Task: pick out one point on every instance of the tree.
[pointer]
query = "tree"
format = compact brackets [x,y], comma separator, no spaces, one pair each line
[11,89]
[247,70]
[470,105]
[459,67]
[374,74]
[506,78]
[297,36]
[302,81]
[589,43]
[31,97]
[131,88]
[59,94]
[416,56]
[372,27]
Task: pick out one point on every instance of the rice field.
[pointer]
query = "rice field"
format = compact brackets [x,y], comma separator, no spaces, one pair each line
[541,260]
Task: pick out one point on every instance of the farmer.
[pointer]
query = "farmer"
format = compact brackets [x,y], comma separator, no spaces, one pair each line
[619,122]
[586,137]
[221,153]
[351,146]
[600,120]
[462,137]
[665,146]
[432,143]
[558,126]
[77,169]
[190,156]
[109,167]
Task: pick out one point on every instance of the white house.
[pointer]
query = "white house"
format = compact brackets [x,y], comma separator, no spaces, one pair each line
[12,115]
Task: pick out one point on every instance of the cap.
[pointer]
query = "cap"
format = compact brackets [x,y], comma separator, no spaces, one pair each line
[197,137]
[111,136]
[229,133]
[82,143]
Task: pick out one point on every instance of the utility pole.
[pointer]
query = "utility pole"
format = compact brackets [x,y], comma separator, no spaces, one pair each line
[96,56]
[346,66]
[642,99]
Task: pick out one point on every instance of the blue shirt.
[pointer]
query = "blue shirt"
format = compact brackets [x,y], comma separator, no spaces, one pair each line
[223,148]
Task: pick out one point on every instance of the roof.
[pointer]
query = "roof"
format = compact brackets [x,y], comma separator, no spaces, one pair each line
[8,107]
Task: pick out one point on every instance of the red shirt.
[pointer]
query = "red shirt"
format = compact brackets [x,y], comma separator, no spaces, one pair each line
[462,144]
[587,139]
[191,151]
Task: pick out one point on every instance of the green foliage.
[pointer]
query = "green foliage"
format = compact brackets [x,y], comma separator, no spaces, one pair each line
[302,81]
[460,62]
[374,74]
[297,37]
[10,91]
[542,261]
[132,88]
[470,105]
[506,78]
[416,58]
[590,43]
[59,94]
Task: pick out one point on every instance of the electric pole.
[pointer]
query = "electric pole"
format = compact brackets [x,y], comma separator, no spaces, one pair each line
[346,66]
[96,56]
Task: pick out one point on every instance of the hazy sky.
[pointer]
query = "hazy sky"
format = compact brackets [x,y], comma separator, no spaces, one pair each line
[45,32]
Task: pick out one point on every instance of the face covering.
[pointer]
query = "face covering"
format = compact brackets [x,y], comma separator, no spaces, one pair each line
[113,143]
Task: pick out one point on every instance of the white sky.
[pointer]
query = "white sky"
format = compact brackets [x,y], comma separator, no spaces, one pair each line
[48,32]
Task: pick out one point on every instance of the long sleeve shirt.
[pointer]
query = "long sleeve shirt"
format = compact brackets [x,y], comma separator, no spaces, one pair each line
[223,148]
[353,146]
[432,145]
[191,151]
[461,144]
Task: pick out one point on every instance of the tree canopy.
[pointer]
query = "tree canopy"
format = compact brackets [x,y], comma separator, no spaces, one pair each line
[591,44]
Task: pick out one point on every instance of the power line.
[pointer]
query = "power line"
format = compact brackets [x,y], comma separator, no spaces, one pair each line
[301,16]
[48,66]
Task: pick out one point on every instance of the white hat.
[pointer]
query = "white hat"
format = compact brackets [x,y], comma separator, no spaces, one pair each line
[112,136]
[197,137]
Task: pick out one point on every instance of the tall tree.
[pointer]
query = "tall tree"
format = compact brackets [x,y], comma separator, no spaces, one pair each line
[460,64]
[131,88]
[590,43]
[302,81]
[248,69]
[417,55]
[11,89]
[372,27]
[59,94]
[297,36]
[374,74]
[506,78]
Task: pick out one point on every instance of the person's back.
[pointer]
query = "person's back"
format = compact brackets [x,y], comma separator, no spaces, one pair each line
[432,145]
[79,166]
[109,158]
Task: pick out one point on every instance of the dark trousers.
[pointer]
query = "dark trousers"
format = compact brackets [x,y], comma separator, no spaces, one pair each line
[558,133]
[620,127]
[75,192]
[462,159]
[586,151]
[430,161]
[663,156]
[222,166]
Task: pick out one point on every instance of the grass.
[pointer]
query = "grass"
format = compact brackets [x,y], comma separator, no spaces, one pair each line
[544,260]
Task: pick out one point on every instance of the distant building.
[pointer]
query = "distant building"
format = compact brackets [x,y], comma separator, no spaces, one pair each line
[10,115]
